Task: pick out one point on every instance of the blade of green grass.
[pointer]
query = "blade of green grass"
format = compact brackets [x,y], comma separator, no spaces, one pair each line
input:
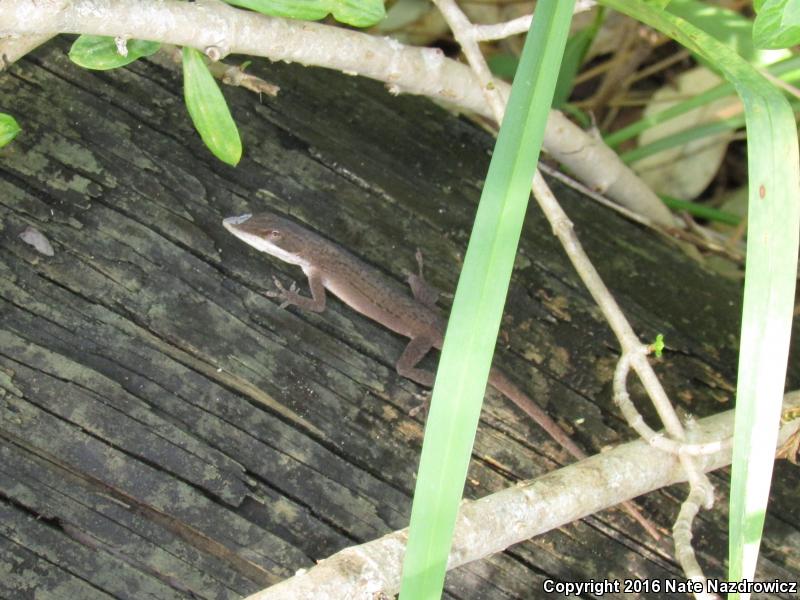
[478,305]
[681,138]
[771,269]
[787,69]
[577,46]
[701,211]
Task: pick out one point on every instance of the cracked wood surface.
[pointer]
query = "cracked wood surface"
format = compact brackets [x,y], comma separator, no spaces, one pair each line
[167,432]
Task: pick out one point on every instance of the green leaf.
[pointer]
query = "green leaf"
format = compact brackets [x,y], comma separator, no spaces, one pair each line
[9,128]
[658,345]
[503,65]
[478,305]
[777,24]
[99,52]
[577,45]
[728,26]
[702,211]
[403,13]
[208,109]
[358,13]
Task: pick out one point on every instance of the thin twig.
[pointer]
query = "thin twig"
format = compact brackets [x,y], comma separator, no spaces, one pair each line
[682,536]
[229,74]
[498,31]
[701,237]
[637,422]
[466,35]
[785,85]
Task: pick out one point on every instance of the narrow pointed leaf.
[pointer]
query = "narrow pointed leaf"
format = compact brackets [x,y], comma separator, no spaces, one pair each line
[478,305]
[577,46]
[208,109]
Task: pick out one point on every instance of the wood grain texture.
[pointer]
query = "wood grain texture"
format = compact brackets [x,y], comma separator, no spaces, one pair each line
[166,431]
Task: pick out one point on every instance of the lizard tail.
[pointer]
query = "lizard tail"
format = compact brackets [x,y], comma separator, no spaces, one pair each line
[499,381]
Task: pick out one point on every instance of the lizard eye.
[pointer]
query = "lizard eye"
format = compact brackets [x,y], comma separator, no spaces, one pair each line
[274,234]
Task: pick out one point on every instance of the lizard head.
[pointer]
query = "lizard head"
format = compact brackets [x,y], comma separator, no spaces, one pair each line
[271,234]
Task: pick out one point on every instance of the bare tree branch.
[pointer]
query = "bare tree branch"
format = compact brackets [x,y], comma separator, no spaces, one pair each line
[495,522]
[14,47]
[218,29]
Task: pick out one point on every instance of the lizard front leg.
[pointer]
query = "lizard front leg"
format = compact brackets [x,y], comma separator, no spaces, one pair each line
[292,296]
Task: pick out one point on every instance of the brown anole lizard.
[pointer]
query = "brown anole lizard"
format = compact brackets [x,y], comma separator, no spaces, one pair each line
[362,287]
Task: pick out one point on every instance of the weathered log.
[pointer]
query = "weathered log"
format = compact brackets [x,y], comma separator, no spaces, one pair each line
[167,429]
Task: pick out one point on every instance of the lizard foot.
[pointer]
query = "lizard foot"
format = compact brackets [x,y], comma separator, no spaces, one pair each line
[287,297]
[422,408]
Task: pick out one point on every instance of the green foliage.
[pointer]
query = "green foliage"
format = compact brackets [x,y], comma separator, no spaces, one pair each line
[658,345]
[204,100]
[771,270]
[478,305]
[9,128]
[681,138]
[701,211]
[503,65]
[787,69]
[577,46]
[581,117]
[727,26]
[777,24]
[358,13]
[99,52]
[208,109]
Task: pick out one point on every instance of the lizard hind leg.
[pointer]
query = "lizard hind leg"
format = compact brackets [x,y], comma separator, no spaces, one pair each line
[415,351]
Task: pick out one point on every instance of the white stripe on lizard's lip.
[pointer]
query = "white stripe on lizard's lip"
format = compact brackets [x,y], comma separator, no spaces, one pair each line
[236,220]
